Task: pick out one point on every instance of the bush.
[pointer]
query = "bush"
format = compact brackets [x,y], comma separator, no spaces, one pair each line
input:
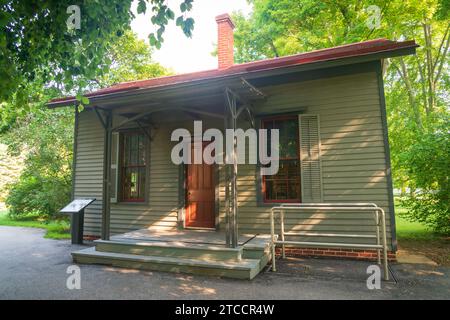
[36,196]
[429,209]
[428,163]
[43,188]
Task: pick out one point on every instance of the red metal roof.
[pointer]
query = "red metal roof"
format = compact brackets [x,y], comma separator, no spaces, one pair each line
[340,52]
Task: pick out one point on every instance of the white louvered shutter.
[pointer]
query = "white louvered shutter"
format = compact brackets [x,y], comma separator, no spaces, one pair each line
[311,175]
[114,166]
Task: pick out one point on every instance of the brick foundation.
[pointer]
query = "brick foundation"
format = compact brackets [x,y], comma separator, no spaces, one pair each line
[336,253]
[90,238]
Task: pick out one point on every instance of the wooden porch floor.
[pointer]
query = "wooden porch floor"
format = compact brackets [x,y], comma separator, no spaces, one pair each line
[180,237]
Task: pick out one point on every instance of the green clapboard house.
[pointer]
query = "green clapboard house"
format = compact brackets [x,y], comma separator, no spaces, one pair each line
[151,213]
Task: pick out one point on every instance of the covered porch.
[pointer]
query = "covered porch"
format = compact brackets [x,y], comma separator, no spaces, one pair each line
[218,250]
[218,104]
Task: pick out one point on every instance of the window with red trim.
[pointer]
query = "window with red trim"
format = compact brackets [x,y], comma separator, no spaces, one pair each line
[133,166]
[285,185]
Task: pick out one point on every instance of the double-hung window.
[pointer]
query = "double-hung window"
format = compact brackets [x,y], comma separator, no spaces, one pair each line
[285,185]
[133,166]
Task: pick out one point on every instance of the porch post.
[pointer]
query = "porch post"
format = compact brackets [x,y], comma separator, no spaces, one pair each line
[227,182]
[106,201]
[234,210]
[74,149]
[231,173]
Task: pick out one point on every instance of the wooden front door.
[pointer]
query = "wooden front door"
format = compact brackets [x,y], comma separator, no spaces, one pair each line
[200,196]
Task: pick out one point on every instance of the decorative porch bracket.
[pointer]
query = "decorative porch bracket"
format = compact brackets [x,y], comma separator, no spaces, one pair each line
[253,89]
[232,112]
[106,121]
[145,132]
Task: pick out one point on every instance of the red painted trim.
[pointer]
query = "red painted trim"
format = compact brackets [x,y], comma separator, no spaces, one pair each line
[282,201]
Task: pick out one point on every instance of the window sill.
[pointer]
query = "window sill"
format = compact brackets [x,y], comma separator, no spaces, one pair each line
[126,203]
[273,204]
[267,204]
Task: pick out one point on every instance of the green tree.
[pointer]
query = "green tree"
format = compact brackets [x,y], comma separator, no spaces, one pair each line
[44,185]
[417,86]
[46,136]
[428,163]
[131,59]
[36,44]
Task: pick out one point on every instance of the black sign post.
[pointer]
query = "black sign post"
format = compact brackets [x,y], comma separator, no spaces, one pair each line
[76,211]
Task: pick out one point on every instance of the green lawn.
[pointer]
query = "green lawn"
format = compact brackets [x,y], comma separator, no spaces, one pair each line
[55,229]
[410,230]
[417,238]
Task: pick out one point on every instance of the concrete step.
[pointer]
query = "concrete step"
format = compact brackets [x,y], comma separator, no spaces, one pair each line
[170,249]
[243,269]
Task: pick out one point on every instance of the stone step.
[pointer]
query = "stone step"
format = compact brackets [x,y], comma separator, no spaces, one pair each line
[170,249]
[243,269]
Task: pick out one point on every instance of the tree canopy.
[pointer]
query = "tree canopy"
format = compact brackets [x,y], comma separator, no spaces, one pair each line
[45,137]
[131,59]
[45,53]
[65,43]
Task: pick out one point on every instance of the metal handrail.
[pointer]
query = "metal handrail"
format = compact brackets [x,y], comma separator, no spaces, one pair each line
[380,218]
[342,204]
[331,204]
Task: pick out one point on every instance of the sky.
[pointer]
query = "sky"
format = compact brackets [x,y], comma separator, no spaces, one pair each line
[182,54]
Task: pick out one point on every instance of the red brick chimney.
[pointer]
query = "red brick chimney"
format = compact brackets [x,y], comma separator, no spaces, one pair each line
[225,43]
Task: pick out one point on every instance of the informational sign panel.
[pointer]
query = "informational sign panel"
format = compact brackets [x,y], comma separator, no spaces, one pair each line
[77,205]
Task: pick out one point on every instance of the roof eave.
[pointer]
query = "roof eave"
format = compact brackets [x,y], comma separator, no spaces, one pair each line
[351,59]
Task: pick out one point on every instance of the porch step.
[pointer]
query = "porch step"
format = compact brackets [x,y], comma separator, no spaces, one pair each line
[258,248]
[242,269]
[170,249]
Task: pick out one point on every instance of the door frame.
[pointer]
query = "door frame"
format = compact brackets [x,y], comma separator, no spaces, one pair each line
[182,197]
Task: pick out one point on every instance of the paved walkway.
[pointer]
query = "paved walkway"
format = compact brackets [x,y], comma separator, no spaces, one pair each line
[32,267]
